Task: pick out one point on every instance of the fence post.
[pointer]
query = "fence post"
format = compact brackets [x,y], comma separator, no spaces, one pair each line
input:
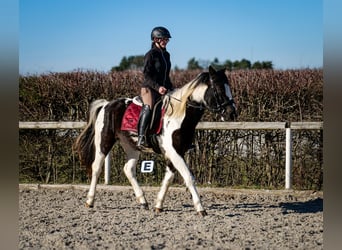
[288,159]
[107,169]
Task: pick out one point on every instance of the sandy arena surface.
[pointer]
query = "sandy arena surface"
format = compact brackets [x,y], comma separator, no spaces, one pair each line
[54,217]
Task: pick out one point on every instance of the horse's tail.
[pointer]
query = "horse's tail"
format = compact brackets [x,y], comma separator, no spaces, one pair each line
[84,144]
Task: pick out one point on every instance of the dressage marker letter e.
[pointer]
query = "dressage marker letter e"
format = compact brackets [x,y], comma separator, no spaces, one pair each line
[147,166]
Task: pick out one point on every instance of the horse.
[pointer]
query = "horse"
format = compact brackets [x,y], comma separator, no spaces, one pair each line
[182,110]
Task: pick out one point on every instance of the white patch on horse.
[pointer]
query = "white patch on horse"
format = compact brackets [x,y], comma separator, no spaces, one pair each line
[170,126]
[99,124]
[199,92]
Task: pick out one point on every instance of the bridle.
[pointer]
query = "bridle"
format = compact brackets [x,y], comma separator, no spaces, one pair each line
[220,107]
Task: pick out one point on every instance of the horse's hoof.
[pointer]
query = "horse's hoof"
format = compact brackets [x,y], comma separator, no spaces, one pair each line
[202,213]
[144,206]
[89,206]
[158,210]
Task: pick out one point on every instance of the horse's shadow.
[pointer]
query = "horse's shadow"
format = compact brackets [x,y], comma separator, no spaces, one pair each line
[311,206]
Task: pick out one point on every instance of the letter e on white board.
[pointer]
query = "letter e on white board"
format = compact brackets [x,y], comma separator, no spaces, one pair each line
[147,166]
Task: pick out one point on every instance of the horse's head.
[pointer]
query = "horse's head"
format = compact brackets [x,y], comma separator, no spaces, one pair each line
[218,95]
[209,90]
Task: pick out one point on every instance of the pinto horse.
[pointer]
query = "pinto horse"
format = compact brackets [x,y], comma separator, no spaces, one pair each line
[182,110]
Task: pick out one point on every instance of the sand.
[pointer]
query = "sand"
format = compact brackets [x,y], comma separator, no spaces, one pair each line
[54,217]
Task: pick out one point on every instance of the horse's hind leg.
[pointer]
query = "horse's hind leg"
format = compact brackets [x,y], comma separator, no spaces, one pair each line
[103,143]
[96,171]
[168,178]
[130,172]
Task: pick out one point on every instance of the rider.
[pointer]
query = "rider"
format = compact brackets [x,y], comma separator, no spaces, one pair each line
[157,81]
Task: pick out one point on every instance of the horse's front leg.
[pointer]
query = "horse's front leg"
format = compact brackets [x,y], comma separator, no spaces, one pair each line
[179,163]
[168,178]
[96,171]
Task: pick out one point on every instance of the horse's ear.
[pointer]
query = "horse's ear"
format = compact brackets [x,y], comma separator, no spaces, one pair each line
[212,70]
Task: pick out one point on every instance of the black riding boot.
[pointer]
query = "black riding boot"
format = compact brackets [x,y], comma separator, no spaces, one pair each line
[144,121]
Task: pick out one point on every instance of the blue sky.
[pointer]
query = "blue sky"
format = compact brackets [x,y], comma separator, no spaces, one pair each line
[66,35]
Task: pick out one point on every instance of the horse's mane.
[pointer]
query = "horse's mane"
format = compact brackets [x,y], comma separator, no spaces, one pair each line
[177,100]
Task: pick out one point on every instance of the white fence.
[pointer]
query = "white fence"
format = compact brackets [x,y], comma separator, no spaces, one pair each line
[287,126]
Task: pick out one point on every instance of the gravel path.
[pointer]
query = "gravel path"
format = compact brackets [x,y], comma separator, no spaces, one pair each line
[54,217]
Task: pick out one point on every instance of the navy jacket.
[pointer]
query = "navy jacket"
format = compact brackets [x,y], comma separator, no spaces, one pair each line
[157,67]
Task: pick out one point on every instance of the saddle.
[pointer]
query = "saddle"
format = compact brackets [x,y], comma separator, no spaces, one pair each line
[130,118]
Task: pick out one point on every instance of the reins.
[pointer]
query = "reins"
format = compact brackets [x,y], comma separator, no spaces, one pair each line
[188,103]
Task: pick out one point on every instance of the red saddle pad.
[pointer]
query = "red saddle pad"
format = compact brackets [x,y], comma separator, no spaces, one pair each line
[131,118]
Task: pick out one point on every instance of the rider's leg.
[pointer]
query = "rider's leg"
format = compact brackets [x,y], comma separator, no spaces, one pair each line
[145,115]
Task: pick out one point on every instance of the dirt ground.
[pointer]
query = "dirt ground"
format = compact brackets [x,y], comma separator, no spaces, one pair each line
[54,217]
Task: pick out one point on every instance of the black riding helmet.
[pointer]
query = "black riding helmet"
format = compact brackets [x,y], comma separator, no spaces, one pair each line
[160,32]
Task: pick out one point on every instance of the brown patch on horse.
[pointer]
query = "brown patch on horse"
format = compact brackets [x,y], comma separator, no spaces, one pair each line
[182,138]
[114,112]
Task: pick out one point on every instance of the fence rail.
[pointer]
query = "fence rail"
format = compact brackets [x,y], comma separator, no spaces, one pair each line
[287,126]
[201,125]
